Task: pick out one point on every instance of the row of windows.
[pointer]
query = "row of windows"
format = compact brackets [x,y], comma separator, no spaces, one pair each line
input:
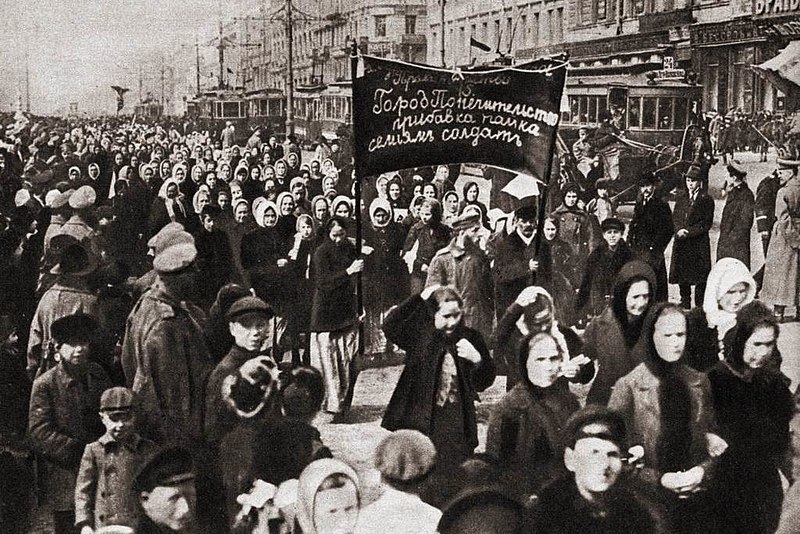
[380,25]
[527,30]
[325,107]
[646,113]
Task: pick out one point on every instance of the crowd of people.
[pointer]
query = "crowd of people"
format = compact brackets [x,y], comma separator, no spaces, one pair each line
[178,312]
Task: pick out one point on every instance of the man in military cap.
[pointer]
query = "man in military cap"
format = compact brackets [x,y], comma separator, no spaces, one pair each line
[737,216]
[166,491]
[64,407]
[164,354]
[464,266]
[595,498]
[651,230]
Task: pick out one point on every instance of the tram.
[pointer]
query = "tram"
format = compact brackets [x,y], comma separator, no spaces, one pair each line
[323,110]
[149,110]
[213,109]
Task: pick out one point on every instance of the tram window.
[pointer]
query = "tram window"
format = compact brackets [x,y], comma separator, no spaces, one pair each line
[230,109]
[592,109]
[602,104]
[583,118]
[665,113]
[634,112]
[681,109]
[649,112]
[573,109]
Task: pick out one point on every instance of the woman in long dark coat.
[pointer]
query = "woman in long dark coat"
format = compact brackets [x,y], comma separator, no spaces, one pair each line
[753,406]
[691,251]
[447,364]
[334,317]
[425,238]
[385,276]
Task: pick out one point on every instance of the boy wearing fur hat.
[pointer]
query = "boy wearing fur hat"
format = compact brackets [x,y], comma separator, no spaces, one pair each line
[104,489]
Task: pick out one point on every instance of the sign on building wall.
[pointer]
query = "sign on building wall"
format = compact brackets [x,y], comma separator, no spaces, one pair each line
[775,8]
[409,116]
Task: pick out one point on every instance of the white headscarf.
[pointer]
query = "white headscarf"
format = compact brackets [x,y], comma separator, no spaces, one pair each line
[554,331]
[725,274]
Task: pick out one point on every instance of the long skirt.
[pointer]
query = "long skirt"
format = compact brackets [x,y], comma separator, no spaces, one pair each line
[332,353]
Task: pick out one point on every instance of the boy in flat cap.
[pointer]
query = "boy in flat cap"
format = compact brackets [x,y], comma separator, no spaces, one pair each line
[737,216]
[404,459]
[465,267]
[164,357]
[64,415]
[249,324]
[595,498]
[602,266]
[104,490]
[165,487]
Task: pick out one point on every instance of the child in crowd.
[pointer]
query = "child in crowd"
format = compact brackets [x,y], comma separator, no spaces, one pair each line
[602,206]
[104,489]
[605,261]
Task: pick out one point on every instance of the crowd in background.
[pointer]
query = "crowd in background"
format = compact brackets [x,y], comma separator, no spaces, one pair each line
[177,309]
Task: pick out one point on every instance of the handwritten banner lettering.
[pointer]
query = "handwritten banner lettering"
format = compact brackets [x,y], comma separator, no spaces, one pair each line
[409,116]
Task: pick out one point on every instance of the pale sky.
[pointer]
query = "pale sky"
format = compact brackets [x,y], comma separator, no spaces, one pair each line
[77,49]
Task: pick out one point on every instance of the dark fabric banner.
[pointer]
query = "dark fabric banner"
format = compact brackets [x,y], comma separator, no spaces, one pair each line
[407,116]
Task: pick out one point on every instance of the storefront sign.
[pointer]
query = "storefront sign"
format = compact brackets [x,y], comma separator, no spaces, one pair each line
[407,116]
[658,21]
[670,74]
[775,8]
[616,45]
[724,33]
[774,27]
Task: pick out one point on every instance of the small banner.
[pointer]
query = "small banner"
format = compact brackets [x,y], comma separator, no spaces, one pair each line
[120,96]
[407,116]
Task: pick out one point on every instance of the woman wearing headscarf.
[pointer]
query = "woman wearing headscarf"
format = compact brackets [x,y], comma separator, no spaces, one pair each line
[329,188]
[395,193]
[334,316]
[450,208]
[614,339]
[264,260]
[534,311]
[447,364]
[668,413]
[292,165]
[242,224]
[252,187]
[170,206]
[526,426]
[730,286]
[189,187]
[424,240]
[320,213]
[328,498]
[385,279]
[577,228]
[753,407]
[469,197]
[287,221]
[281,175]
[95,178]
[302,280]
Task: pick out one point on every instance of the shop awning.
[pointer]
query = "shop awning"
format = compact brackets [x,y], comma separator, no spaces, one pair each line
[783,71]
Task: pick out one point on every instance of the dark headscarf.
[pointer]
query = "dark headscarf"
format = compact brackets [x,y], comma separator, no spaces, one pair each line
[752,316]
[631,272]
[675,405]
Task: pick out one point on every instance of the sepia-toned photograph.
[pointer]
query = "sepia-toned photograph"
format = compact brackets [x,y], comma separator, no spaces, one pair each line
[400,267]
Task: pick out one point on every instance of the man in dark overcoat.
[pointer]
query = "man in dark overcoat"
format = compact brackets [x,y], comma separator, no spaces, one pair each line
[650,231]
[691,253]
[737,216]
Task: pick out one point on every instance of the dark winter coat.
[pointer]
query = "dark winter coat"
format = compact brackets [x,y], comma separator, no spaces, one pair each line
[385,274]
[166,363]
[215,261]
[431,238]
[410,326]
[605,339]
[649,234]
[691,255]
[260,251]
[602,267]
[753,413]
[766,197]
[525,435]
[734,227]
[64,418]
[579,230]
[562,510]
[511,268]
[334,306]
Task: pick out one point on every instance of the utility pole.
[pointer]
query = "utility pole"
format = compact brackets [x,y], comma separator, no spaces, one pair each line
[197,64]
[27,83]
[442,41]
[289,71]
[140,83]
[221,48]
[162,82]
